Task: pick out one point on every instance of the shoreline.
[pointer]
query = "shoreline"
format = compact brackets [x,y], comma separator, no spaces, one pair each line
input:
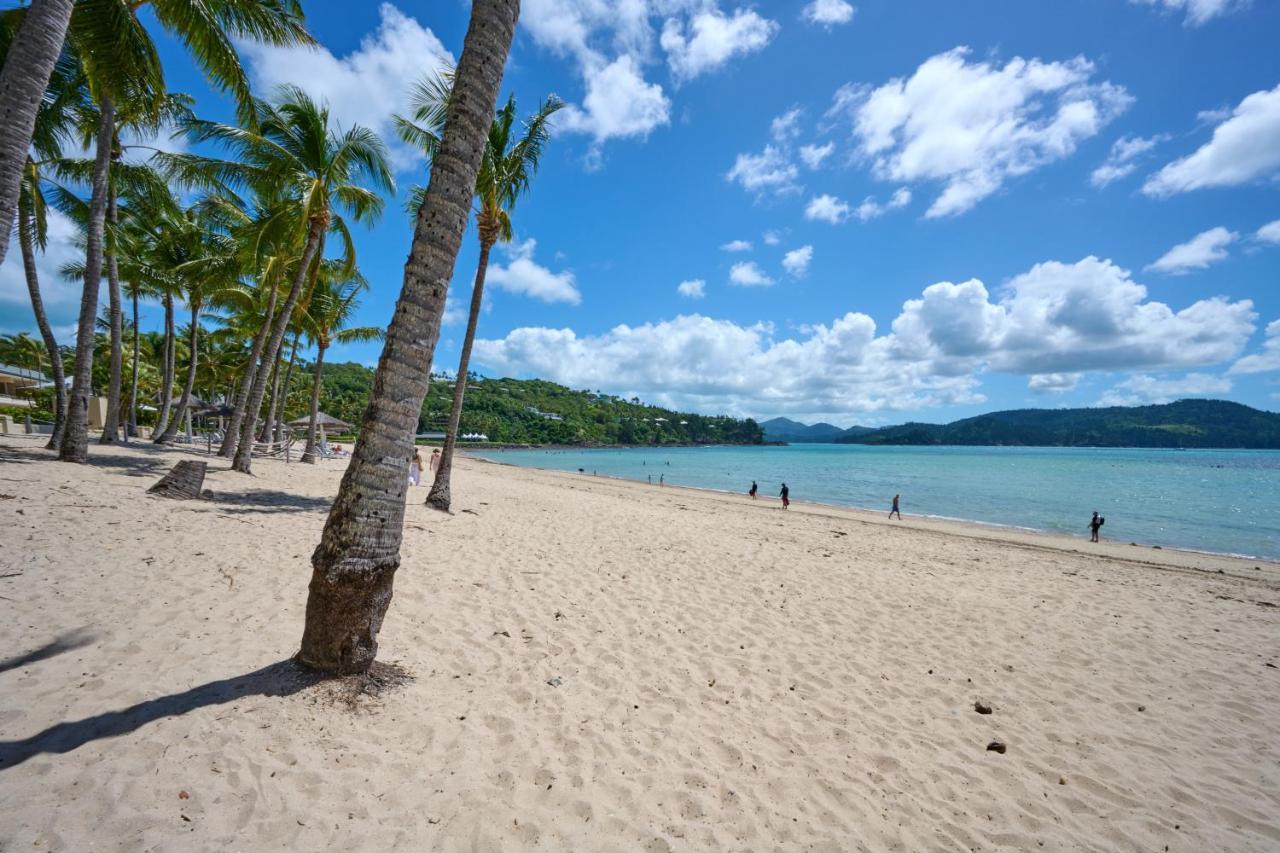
[949,524]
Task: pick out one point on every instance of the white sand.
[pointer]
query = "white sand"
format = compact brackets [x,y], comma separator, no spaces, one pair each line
[727,676]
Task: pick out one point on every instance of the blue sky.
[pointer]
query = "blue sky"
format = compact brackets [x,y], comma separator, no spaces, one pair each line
[864,212]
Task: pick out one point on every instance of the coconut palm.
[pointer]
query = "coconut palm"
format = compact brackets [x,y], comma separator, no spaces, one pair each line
[291,154]
[510,161]
[332,306]
[32,42]
[355,563]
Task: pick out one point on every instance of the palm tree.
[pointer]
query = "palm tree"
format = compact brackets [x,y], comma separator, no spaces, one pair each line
[122,66]
[332,306]
[290,153]
[355,563]
[508,167]
[32,43]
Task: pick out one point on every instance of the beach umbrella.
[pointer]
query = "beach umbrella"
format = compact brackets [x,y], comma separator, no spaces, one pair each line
[324,422]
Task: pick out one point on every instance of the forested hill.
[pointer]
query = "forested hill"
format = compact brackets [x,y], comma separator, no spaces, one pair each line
[1186,423]
[531,411]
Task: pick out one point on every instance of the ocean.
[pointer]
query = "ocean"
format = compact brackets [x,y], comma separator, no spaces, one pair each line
[1222,501]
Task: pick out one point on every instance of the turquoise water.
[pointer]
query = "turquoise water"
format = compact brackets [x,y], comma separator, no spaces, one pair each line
[1226,501]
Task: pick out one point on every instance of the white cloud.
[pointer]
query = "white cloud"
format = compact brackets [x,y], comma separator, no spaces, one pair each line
[1205,248]
[694,288]
[796,262]
[1265,361]
[828,12]
[748,274]
[813,155]
[1269,233]
[870,208]
[1051,324]
[1053,383]
[1122,160]
[770,170]
[364,87]
[1146,390]
[973,125]
[523,275]
[619,103]
[1198,11]
[827,208]
[786,127]
[771,238]
[711,38]
[736,246]
[1244,148]
[61,298]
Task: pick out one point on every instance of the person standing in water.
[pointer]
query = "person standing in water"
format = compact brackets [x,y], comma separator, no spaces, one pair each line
[786,496]
[1095,524]
[895,508]
[753,490]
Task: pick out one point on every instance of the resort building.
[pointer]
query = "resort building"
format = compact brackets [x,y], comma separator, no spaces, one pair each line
[16,383]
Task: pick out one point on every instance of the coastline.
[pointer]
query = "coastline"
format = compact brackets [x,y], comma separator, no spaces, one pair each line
[602,665]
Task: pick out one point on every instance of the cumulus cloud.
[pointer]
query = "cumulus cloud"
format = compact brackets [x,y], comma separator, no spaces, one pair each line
[710,38]
[1265,361]
[364,87]
[769,171]
[870,208]
[796,262]
[1051,324]
[61,298]
[736,246]
[748,274]
[1123,158]
[813,155]
[524,276]
[618,103]
[694,288]
[771,238]
[1205,248]
[1198,11]
[786,127]
[827,208]
[1146,390]
[828,12]
[971,126]
[1269,233]
[1245,147]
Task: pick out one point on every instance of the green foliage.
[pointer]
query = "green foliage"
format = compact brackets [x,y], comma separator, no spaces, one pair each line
[511,411]
[1186,423]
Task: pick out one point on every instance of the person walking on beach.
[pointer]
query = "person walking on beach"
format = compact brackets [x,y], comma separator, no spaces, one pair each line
[786,496]
[895,508]
[435,460]
[753,490]
[415,469]
[1095,524]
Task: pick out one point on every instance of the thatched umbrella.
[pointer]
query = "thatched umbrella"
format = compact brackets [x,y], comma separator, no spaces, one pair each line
[323,421]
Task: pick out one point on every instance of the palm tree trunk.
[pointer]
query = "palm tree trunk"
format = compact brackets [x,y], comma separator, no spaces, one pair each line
[309,455]
[355,563]
[42,322]
[132,429]
[167,369]
[232,438]
[268,423]
[278,435]
[27,69]
[111,426]
[185,400]
[244,452]
[439,496]
[75,438]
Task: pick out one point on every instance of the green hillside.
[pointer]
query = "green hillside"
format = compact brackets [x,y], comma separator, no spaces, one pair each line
[1186,423]
[531,411]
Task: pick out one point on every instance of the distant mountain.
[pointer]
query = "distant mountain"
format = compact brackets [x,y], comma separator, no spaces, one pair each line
[785,429]
[1186,423]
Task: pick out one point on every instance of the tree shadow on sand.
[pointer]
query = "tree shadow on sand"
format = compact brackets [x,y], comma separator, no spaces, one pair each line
[67,642]
[279,679]
[154,461]
[266,500]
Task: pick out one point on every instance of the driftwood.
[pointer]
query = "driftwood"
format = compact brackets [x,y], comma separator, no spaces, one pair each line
[184,481]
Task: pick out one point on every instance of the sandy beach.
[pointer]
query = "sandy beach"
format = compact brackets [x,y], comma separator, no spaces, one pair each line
[602,665]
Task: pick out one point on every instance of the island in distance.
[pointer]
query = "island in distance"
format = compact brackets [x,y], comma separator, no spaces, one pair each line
[1184,424]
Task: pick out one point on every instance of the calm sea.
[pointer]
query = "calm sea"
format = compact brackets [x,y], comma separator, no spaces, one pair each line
[1226,501]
